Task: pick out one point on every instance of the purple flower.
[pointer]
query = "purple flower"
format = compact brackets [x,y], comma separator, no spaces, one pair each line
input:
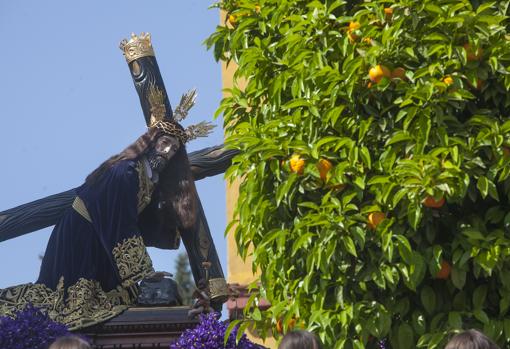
[29,329]
[209,334]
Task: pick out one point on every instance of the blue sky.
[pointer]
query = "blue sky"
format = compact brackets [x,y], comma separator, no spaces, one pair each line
[68,102]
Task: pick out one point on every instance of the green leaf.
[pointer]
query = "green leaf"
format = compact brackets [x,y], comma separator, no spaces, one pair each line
[283,190]
[483,186]
[414,214]
[472,233]
[434,8]
[349,245]
[428,299]
[255,314]
[504,304]
[404,248]
[360,182]
[417,271]
[405,337]
[455,320]
[399,136]
[365,156]
[479,296]
[481,316]
[458,278]
[484,6]
[298,102]
[229,330]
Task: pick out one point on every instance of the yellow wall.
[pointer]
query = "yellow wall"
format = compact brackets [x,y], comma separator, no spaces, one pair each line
[238,271]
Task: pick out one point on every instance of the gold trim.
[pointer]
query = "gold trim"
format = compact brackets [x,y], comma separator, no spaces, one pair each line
[187,102]
[79,206]
[218,289]
[157,102]
[137,47]
[146,187]
[85,303]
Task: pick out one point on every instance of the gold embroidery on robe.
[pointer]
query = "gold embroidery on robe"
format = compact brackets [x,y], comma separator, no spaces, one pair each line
[132,260]
[146,187]
[86,303]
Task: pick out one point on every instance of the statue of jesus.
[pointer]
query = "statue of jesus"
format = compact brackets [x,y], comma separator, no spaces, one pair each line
[97,254]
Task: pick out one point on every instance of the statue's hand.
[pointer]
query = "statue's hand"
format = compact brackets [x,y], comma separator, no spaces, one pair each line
[234,290]
[201,302]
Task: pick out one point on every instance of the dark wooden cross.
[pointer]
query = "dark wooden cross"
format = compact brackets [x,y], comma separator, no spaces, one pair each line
[207,162]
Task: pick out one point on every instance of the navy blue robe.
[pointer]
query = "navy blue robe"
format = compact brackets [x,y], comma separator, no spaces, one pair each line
[95,255]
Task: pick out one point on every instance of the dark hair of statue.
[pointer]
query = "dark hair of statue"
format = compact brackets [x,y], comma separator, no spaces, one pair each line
[300,340]
[176,187]
[471,339]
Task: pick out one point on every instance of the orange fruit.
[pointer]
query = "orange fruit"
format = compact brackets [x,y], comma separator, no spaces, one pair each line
[352,37]
[232,19]
[279,326]
[433,203]
[297,164]
[388,11]
[378,72]
[324,167]
[354,26]
[257,8]
[398,73]
[473,55]
[445,270]
[375,218]
[448,80]
[292,323]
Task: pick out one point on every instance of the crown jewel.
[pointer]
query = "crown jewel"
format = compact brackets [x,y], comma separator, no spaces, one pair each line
[137,47]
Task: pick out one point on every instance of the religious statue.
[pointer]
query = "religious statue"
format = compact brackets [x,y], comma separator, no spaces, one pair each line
[143,196]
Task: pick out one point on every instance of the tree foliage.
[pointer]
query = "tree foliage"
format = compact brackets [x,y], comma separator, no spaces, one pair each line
[183,278]
[408,102]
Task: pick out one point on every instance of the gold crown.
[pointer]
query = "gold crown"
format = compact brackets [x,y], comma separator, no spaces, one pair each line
[137,47]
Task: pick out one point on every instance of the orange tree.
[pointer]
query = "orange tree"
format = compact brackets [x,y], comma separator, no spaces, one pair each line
[374,165]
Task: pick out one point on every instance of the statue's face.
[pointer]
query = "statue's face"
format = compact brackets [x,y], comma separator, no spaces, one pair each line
[164,149]
[167,146]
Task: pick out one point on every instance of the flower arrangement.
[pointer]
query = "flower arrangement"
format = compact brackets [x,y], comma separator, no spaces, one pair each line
[210,334]
[31,328]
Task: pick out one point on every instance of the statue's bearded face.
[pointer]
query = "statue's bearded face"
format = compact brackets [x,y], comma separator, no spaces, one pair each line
[164,149]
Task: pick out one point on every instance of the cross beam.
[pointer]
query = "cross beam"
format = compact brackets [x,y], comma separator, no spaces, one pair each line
[45,212]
